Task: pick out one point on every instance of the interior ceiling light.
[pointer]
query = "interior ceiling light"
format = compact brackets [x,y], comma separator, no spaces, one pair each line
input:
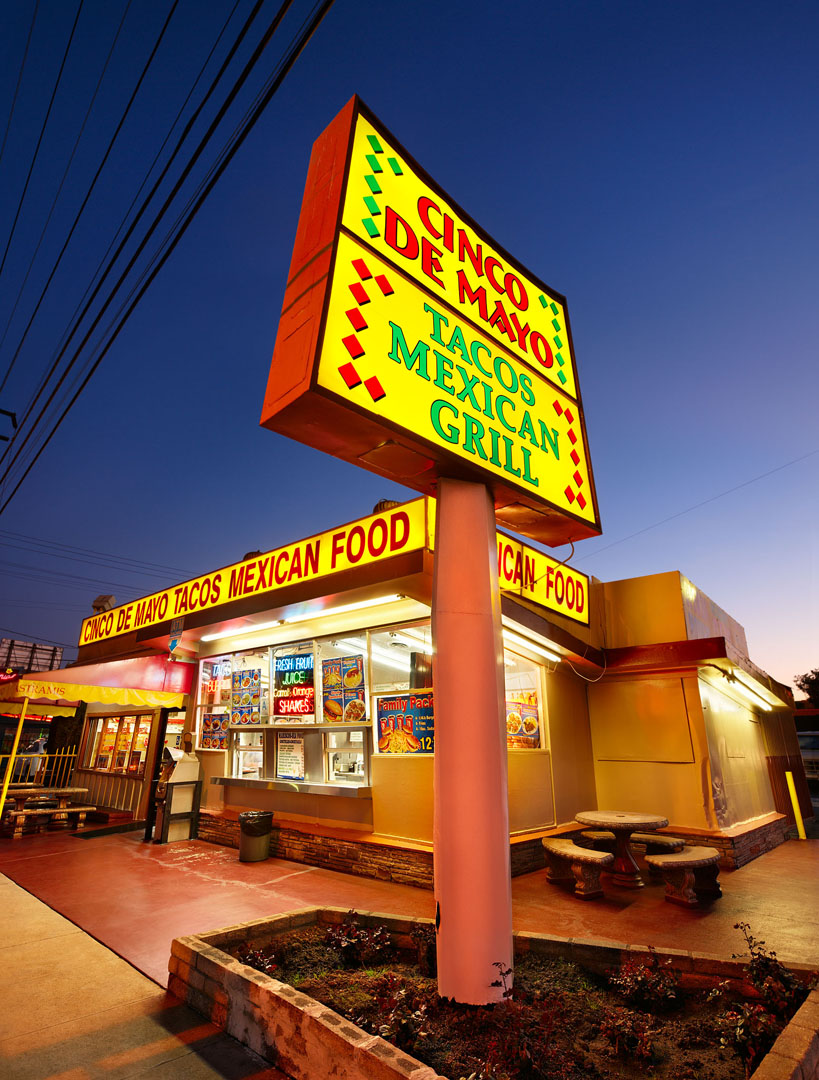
[401,663]
[316,614]
[341,608]
[410,641]
[512,638]
[242,630]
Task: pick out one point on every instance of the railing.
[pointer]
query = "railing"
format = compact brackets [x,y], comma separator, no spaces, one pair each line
[49,770]
[116,791]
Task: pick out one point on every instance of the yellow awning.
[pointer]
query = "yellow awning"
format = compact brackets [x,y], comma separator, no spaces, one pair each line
[54,690]
[13,708]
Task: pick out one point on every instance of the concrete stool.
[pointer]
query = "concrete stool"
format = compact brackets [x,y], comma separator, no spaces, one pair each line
[566,860]
[691,876]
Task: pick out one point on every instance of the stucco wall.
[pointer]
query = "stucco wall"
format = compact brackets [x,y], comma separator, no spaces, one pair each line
[571,746]
[742,790]
[650,748]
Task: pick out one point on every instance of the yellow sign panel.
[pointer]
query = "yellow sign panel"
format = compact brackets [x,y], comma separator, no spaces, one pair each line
[392,209]
[534,576]
[369,540]
[394,353]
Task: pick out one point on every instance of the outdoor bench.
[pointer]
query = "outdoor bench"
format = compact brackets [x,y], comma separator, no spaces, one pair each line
[41,816]
[566,860]
[691,876]
[654,843]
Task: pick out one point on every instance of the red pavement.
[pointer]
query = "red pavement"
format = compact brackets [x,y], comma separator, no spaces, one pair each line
[136,897]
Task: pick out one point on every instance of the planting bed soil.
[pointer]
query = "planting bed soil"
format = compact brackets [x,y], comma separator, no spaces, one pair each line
[559,1021]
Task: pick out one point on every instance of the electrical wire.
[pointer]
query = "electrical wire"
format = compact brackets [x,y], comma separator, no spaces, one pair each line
[20,635]
[96,177]
[244,75]
[309,26]
[66,337]
[41,573]
[90,551]
[64,176]
[40,139]
[85,561]
[19,79]
[704,502]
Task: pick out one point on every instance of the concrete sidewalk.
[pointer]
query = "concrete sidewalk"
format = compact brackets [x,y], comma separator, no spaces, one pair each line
[73,1010]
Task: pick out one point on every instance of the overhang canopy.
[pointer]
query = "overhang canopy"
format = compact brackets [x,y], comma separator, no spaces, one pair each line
[143,682]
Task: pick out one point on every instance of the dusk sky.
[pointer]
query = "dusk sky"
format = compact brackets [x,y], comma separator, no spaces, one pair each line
[657,163]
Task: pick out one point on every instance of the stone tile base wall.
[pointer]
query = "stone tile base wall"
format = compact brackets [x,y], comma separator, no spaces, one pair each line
[736,851]
[405,866]
[308,1040]
[409,866]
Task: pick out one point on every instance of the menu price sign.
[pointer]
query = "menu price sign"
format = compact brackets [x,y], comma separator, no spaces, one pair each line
[290,755]
[406,723]
[215,731]
[343,700]
[294,692]
[522,724]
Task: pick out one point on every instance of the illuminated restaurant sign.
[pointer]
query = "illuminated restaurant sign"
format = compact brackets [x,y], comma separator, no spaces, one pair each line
[534,576]
[360,543]
[294,691]
[411,344]
[522,570]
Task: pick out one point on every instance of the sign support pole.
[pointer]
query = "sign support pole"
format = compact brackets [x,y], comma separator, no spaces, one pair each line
[473,887]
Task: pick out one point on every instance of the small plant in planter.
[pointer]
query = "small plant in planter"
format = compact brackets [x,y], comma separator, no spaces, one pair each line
[404,1015]
[750,1031]
[751,1028]
[259,959]
[649,984]
[628,1033]
[357,945]
[776,984]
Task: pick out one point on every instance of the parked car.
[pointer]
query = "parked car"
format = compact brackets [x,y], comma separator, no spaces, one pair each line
[809,745]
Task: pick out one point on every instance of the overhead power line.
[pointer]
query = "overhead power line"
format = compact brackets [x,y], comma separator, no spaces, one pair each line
[90,551]
[21,635]
[101,166]
[77,320]
[696,506]
[85,561]
[62,181]
[19,80]
[309,26]
[37,573]
[42,133]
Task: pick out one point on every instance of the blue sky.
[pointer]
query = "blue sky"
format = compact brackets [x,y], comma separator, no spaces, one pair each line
[657,163]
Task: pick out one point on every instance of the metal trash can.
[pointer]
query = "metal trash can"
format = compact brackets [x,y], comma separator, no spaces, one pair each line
[255,827]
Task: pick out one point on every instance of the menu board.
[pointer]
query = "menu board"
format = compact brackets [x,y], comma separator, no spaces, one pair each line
[406,724]
[342,684]
[215,731]
[522,722]
[294,692]
[290,755]
[246,697]
[105,749]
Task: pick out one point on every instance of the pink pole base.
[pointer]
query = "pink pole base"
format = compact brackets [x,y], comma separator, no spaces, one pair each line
[471,817]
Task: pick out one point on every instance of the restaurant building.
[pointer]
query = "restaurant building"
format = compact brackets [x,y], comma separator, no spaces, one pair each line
[312,695]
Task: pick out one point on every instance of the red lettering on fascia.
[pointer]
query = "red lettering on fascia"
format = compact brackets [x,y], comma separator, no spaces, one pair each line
[283,556]
[336,548]
[250,578]
[295,566]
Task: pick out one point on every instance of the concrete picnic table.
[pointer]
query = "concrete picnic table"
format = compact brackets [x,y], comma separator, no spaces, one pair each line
[63,795]
[623,823]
